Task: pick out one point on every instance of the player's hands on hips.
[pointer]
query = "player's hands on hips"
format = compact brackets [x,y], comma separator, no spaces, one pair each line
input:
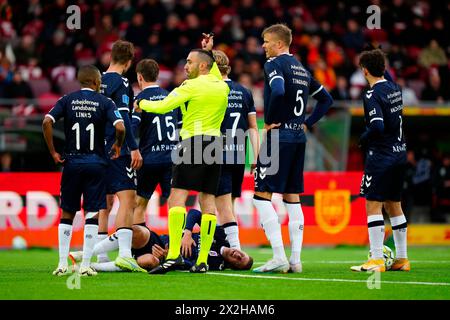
[271,126]
[186,244]
[114,153]
[207,41]
[136,159]
[57,158]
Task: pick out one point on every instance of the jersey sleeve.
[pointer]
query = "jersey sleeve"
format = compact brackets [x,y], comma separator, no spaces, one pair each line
[373,109]
[273,73]
[112,114]
[314,87]
[176,98]
[275,80]
[250,104]
[122,98]
[57,112]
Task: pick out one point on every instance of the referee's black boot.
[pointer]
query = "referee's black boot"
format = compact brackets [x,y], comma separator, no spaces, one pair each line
[168,265]
[200,268]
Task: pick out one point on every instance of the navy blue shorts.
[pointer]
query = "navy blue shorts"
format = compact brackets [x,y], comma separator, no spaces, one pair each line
[231,179]
[383,177]
[289,176]
[120,176]
[150,175]
[87,179]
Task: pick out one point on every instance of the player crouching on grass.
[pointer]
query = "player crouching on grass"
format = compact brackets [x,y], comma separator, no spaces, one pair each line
[385,167]
[149,249]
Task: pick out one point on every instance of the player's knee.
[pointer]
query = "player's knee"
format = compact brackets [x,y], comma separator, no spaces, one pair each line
[147,261]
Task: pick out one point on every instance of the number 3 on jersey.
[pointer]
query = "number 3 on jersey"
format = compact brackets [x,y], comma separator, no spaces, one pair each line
[302,104]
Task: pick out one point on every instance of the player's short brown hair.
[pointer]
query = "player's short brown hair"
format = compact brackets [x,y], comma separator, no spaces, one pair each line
[149,69]
[223,63]
[87,76]
[282,31]
[373,61]
[122,52]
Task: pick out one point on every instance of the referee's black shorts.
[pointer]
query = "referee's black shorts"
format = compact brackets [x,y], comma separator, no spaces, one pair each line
[199,163]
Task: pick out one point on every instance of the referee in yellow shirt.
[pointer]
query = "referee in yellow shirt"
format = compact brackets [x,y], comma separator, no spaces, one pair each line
[203,100]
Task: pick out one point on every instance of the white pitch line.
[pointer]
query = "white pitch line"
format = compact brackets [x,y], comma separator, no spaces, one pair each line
[328,280]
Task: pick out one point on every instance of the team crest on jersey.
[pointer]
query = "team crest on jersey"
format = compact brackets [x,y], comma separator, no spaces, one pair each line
[125,99]
[332,208]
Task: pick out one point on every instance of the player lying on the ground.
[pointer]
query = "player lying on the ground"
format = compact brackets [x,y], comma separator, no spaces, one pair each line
[149,249]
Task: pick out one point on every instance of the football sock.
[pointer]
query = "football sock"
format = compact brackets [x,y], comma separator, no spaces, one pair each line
[399,229]
[232,231]
[269,221]
[108,244]
[64,237]
[207,230]
[106,266]
[90,238]
[375,225]
[102,256]
[125,236]
[177,221]
[296,223]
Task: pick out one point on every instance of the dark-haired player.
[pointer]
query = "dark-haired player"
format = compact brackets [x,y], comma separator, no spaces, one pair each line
[121,173]
[86,113]
[149,249]
[158,137]
[385,165]
[287,86]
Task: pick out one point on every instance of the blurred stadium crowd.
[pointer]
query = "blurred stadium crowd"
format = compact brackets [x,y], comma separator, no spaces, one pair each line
[39,54]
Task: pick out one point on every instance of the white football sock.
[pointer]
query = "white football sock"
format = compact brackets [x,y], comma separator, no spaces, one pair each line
[64,237]
[108,244]
[399,229]
[296,224]
[269,220]
[232,231]
[376,235]
[101,256]
[125,236]
[106,266]
[90,238]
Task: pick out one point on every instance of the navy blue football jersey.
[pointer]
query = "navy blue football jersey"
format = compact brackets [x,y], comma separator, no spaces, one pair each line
[215,259]
[235,123]
[383,102]
[298,86]
[117,88]
[158,133]
[86,114]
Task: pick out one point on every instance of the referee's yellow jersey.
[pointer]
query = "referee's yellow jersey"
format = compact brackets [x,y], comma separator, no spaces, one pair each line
[203,102]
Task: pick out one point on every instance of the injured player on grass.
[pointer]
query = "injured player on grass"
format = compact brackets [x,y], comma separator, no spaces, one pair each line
[149,249]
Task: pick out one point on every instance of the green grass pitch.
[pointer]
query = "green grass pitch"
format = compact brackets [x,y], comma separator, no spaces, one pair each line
[326,275]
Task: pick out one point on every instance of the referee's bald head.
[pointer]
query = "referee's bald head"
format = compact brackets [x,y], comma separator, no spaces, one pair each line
[205,56]
[198,62]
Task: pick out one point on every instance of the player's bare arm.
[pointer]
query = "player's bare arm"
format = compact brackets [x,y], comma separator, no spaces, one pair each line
[120,137]
[47,127]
